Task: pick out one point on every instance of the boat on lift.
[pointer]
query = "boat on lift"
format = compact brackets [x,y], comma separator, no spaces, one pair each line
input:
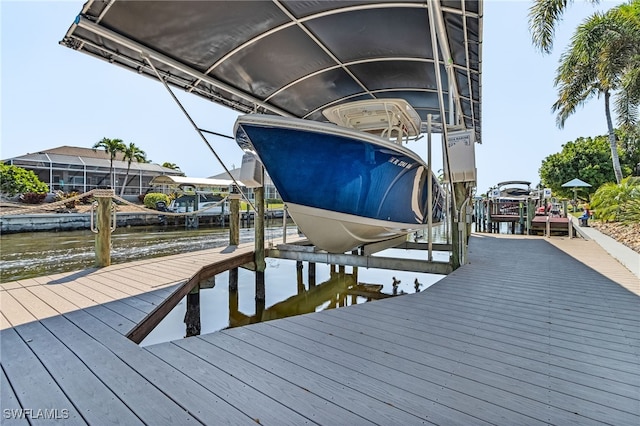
[348,182]
[510,194]
[514,190]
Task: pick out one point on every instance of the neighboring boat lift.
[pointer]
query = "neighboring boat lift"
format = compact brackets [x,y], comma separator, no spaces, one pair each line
[524,210]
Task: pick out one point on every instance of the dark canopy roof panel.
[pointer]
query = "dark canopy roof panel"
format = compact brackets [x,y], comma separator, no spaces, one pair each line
[295,58]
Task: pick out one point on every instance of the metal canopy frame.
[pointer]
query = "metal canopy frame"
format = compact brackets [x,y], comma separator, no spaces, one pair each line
[295,58]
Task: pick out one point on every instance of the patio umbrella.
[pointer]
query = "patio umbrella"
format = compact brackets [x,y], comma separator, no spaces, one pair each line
[575,184]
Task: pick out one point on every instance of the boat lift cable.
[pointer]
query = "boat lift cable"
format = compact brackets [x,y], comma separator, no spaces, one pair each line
[216,134]
[436,61]
[200,132]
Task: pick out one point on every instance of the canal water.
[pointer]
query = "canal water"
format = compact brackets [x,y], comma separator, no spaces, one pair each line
[288,290]
[33,254]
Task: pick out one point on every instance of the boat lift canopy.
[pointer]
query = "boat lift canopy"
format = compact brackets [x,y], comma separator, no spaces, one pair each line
[296,58]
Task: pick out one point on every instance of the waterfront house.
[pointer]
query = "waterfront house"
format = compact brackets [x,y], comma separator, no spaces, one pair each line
[70,168]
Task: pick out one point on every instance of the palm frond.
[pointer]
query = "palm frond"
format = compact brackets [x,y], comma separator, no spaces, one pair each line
[543,17]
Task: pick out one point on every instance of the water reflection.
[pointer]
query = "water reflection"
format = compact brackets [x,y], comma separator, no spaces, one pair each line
[288,292]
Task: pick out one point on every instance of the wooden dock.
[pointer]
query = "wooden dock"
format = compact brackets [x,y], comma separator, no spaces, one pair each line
[549,336]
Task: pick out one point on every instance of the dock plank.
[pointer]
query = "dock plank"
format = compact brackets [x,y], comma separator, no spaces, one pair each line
[87,392]
[164,379]
[31,382]
[377,409]
[480,367]
[9,405]
[413,392]
[234,380]
[425,378]
[130,387]
[14,311]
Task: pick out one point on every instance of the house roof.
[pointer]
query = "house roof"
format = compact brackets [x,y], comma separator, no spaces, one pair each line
[70,157]
[76,151]
[295,58]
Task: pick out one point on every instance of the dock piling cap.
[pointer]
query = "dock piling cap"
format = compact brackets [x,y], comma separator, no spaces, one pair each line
[103,193]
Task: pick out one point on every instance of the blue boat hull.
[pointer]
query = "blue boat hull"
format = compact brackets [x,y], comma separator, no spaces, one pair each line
[330,174]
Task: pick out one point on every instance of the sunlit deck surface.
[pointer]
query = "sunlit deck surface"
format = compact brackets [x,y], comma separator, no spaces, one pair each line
[526,333]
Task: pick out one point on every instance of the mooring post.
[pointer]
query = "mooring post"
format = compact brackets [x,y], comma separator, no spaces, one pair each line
[103,227]
[192,316]
[234,219]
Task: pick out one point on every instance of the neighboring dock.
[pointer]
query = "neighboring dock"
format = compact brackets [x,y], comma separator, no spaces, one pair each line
[532,331]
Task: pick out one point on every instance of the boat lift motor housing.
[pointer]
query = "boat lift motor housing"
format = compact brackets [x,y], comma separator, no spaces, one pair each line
[251,171]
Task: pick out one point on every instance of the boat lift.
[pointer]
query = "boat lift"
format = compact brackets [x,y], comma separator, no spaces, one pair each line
[441,79]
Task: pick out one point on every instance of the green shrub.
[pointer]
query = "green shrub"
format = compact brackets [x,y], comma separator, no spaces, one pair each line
[618,202]
[152,198]
[16,180]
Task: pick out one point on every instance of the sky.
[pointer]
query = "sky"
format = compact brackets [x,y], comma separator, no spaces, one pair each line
[53,96]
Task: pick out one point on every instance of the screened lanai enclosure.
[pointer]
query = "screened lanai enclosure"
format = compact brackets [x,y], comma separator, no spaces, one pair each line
[83,169]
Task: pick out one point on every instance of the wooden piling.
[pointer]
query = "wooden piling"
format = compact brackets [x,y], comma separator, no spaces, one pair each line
[103,224]
[233,279]
[299,268]
[192,316]
[234,219]
[259,229]
[233,306]
[260,291]
[312,274]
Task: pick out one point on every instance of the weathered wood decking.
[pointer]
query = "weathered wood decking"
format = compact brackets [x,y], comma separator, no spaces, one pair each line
[523,334]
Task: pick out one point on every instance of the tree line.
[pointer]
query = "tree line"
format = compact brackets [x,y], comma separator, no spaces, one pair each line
[602,61]
[129,152]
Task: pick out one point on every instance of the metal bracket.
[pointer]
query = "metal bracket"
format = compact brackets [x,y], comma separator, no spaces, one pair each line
[94,229]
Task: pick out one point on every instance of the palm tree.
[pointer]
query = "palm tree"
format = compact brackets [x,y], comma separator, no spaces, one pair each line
[543,17]
[168,165]
[130,153]
[112,147]
[629,99]
[599,58]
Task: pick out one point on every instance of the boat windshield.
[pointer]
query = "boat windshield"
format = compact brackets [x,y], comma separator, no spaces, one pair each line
[393,119]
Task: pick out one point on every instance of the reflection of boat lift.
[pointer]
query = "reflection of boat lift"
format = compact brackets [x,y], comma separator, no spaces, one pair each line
[329,294]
